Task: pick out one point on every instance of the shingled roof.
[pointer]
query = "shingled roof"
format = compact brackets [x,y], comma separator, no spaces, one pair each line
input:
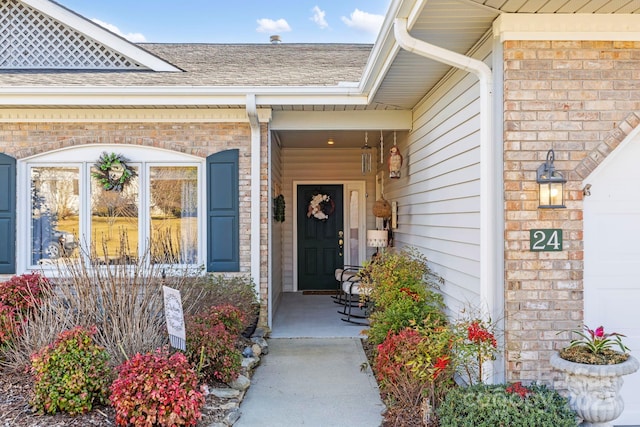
[223,65]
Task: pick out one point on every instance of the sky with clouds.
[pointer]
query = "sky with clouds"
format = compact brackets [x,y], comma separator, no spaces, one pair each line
[237,21]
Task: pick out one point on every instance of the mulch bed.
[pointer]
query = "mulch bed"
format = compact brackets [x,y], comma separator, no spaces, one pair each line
[15,411]
[16,392]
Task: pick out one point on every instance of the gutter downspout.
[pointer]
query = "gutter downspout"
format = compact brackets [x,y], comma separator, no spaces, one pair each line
[488,209]
[254,122]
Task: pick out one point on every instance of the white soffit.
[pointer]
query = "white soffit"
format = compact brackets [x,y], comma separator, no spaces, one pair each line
[353,120]
[522,26]
[100,34]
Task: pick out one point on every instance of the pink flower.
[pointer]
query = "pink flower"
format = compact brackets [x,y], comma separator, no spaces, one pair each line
[599,332]
[597,340]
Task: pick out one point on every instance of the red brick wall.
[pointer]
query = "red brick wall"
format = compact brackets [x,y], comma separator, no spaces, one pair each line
[579,98]
[22,140]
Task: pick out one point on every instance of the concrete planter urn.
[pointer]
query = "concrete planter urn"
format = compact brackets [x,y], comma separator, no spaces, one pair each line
[594,390]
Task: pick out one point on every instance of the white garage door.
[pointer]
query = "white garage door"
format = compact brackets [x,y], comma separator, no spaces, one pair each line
[612,259]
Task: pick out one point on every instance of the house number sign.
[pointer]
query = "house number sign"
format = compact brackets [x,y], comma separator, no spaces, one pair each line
[546,240]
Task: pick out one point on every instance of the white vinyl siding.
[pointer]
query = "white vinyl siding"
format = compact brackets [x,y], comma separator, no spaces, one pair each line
[439,192]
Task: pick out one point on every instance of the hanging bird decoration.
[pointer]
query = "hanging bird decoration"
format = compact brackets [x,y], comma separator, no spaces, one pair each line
[394,162]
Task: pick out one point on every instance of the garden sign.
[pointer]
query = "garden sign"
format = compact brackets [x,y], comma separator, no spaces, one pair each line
[175,318]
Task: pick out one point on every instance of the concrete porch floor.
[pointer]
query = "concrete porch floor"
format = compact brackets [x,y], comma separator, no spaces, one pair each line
[311,316]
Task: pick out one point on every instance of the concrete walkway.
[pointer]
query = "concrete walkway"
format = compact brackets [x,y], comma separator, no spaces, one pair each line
[312,382]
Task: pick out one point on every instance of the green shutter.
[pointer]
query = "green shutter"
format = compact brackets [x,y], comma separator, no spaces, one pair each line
[7,214]
[223,213]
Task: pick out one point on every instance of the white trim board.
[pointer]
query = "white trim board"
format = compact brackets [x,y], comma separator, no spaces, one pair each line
[524,26]
[128,115]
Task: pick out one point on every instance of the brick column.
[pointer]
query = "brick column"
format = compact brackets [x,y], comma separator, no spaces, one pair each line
[575,97]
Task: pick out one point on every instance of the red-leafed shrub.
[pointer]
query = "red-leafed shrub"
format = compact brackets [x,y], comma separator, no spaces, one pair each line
[156,390]
[213,290]
[519,389]
[211,342]
[394,353]
[9,324]
[17,296]
[478,333]
[23,291]
[229,315]
[475,344]
[72,374]
[413,366]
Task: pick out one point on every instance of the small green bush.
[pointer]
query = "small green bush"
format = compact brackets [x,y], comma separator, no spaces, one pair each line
[405,312]
[398,274]
[505,406]
[71,374]
[401,293]
[211,342]
[156,390]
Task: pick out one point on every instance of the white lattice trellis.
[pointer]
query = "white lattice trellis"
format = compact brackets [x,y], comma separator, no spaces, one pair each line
[30,39]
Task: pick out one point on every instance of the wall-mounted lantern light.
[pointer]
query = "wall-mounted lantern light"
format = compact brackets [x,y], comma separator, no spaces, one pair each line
[551,183]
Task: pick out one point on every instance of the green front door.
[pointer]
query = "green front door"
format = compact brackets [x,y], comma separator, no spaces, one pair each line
[319,239]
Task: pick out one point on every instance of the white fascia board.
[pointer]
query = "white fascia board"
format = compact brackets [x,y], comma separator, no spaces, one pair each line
[523,26]
[384,50]
[100,34]
[172,96]
[346,120]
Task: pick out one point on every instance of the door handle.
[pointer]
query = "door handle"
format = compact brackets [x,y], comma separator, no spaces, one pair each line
[340,241]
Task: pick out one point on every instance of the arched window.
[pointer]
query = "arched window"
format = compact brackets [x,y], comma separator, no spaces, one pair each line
[155,213]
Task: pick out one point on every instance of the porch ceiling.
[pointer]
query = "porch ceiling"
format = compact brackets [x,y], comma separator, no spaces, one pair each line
[341,138]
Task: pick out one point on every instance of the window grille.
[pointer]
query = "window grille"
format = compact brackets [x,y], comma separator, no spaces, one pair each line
[30,39]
